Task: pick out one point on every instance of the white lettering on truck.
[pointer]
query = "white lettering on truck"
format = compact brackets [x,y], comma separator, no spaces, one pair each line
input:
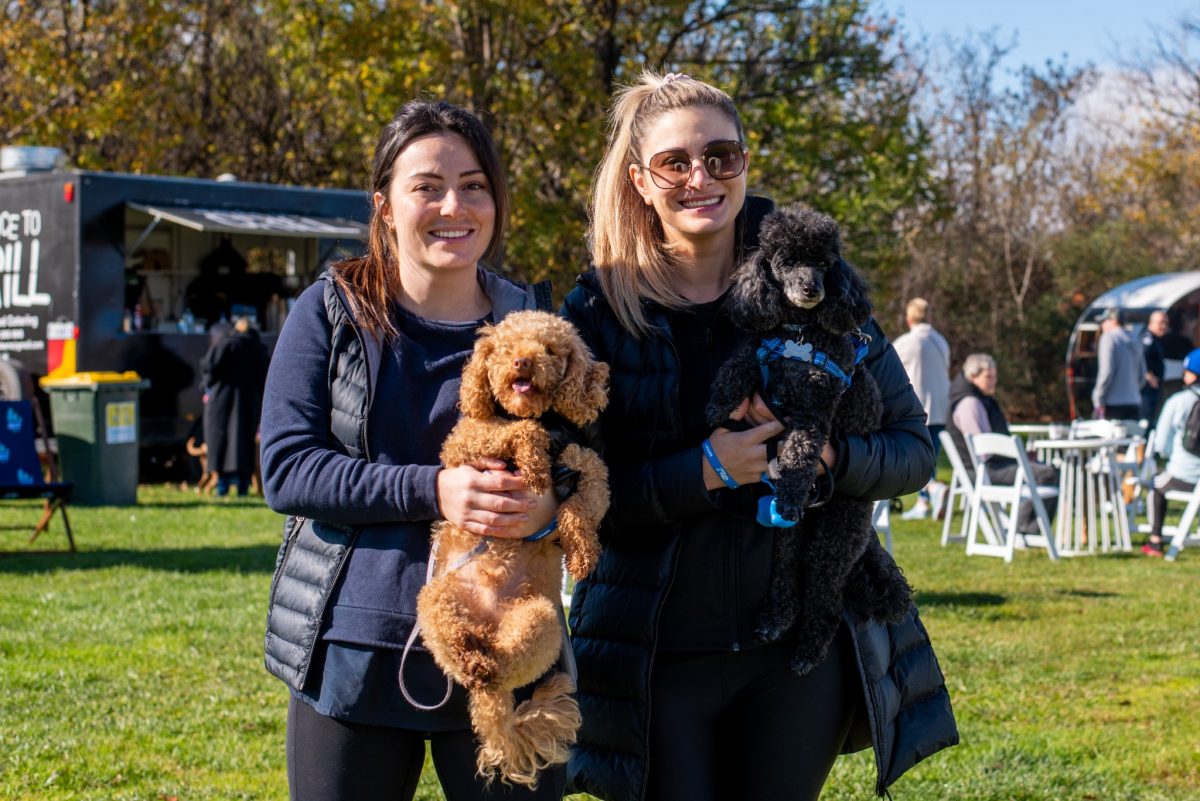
[16,228]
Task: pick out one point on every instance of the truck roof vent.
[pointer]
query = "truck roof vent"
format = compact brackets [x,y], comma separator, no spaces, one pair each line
[29,159]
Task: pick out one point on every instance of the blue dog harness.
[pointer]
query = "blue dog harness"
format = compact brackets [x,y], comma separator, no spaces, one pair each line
[776,349]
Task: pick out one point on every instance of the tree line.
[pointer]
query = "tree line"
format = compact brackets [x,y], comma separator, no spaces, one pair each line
[995,200]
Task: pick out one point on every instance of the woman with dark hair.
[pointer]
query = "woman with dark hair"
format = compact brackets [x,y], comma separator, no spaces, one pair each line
[361,392]
[681,698]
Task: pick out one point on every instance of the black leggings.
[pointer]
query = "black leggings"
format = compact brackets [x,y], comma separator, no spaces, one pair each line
[740,725]
[332,760]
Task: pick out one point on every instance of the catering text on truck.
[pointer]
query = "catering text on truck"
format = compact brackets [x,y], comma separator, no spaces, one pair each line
[1178,294]
[111,272]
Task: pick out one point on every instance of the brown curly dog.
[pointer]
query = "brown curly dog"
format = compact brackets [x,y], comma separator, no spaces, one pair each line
[491,614]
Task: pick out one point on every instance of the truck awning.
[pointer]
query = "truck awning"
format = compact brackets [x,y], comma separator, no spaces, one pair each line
[262,223]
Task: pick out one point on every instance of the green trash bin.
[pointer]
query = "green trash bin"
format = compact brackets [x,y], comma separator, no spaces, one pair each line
[95,418]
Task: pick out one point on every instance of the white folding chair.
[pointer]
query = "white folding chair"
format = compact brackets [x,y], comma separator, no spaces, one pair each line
[1007,499]
[959,495]
[1185,532]
[881,520]
[1141,479]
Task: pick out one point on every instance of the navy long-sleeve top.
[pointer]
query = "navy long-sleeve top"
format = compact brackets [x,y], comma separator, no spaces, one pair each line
[392,499]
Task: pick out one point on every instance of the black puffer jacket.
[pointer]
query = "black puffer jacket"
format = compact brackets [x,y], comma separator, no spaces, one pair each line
[656,487]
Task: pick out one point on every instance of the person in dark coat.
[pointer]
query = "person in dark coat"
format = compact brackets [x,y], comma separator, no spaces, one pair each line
[680,700]
[1152,350]
[234,371]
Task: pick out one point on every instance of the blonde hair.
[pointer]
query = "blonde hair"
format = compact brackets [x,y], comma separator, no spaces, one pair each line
[629,249]
[917,310]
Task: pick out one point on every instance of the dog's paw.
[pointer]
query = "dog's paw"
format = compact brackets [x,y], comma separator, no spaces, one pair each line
[790,510]
[800,666]
[769,631]
[479,670]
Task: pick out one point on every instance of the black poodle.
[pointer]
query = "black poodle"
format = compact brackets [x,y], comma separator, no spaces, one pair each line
[806,305]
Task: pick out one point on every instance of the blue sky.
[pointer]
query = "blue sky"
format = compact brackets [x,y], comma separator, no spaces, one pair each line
[1083,30]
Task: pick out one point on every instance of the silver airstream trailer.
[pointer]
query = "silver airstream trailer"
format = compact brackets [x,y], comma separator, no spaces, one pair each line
[1176,293]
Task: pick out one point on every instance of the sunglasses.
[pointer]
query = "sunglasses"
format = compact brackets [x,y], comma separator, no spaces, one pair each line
[722,160]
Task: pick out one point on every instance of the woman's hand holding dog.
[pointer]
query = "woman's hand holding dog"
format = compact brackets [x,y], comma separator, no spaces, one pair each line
[486,499]
[758,412]
[743,454]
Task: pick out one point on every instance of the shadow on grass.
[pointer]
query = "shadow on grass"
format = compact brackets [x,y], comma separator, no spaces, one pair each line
[20,507]
[242,559]
[959,599]
[1090,593]
[198,503]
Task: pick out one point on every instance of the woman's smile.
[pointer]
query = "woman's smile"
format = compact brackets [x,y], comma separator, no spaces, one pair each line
[706,202]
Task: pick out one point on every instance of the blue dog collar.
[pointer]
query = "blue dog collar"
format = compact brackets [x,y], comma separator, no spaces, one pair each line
[543,532]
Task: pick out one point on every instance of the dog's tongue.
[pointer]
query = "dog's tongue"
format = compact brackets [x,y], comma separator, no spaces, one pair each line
[522,385]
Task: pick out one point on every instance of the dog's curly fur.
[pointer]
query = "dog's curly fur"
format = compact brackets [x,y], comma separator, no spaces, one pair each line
[493,624]
[797,286]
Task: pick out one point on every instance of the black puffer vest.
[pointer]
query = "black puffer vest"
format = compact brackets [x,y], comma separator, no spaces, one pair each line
[961,388]
[313,553]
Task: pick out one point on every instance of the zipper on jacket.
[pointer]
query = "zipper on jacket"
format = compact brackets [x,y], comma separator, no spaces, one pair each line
[650,674]
[735,543]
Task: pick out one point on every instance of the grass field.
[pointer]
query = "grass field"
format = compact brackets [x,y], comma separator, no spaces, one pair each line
[133,669]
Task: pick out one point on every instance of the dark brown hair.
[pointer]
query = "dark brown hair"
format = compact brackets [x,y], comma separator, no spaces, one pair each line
[372,281]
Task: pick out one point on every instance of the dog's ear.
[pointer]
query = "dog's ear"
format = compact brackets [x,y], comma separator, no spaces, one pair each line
[583,391]
[475,395]
[847,303]
[755,302]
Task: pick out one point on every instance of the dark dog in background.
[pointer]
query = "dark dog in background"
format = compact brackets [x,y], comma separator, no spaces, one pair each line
[806,305]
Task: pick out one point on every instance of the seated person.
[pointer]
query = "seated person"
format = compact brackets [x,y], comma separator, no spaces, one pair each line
[975,410]
[1183,468]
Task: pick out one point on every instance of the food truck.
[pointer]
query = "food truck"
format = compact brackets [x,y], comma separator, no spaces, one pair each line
[112,272]
[1178,294]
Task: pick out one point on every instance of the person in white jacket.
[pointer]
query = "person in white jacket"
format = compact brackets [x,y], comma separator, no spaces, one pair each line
[926,358]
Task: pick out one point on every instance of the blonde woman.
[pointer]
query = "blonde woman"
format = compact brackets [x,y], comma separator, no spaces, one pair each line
[680,700]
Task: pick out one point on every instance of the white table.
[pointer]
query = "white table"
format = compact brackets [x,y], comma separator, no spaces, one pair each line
[1042,431]
[1091,508]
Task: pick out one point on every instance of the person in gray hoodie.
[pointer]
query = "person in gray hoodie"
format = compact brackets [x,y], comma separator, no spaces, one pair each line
[1120,373]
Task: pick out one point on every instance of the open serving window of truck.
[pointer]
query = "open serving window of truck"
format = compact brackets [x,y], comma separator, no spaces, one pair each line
[103,271]
[1178,294]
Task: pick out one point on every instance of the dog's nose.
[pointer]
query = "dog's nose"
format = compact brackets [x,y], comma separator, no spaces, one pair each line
[522,364]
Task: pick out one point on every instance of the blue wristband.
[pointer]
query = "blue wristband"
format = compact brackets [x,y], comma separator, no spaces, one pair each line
[716,465]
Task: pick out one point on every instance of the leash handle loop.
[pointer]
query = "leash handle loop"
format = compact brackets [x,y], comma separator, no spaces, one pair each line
[416,629]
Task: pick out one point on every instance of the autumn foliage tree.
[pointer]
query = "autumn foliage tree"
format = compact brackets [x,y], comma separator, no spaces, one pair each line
[293,91]
[982,196]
